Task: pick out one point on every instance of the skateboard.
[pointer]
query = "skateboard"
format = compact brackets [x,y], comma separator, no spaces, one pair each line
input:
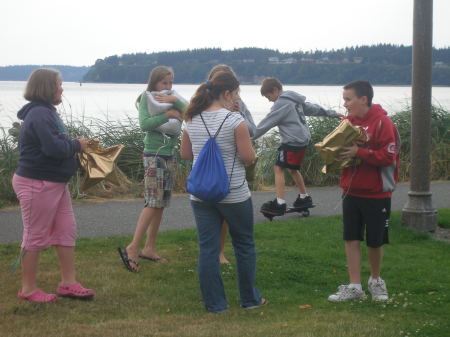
[304,211]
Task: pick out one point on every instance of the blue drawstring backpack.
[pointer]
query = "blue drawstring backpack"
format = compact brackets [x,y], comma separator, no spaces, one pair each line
[208,180]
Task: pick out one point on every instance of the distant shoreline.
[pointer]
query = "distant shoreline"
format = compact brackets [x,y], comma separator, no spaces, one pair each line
[286,85]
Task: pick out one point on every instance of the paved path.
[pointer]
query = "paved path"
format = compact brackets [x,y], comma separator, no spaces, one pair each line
[119,217]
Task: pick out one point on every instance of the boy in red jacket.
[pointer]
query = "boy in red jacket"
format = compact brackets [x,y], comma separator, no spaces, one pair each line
[367,190]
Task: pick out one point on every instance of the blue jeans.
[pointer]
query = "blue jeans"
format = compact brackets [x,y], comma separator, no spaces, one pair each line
[209,218]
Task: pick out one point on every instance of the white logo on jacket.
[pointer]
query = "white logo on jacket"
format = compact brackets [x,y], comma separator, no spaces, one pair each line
[392,148]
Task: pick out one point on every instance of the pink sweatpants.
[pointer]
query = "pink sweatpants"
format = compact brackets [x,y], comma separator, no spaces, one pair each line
[47,213]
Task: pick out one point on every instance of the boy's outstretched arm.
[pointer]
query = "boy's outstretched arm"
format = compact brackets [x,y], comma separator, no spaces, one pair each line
[272,119]
[311,109]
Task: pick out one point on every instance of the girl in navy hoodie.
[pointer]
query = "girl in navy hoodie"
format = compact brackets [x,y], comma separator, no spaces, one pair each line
[47,161]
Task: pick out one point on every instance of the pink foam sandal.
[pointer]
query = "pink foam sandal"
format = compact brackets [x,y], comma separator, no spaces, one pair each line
[75,290]
[38,296]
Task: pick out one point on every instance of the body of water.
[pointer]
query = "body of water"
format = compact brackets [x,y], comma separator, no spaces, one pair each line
[116,101]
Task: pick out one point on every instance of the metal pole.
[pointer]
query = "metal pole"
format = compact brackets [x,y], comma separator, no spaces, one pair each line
[419,212]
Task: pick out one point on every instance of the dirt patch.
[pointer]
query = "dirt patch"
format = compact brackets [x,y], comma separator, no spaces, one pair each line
[441,234]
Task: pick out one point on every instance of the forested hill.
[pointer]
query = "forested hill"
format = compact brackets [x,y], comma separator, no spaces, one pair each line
[21,73]
[380,64]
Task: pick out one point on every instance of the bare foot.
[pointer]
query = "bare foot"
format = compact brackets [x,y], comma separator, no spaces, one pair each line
[152,256]
[223,259]
[128,260]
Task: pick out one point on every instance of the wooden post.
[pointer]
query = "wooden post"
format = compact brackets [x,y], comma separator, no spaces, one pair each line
[419,212]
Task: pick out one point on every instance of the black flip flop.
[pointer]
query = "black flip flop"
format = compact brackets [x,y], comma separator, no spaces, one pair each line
[126,260]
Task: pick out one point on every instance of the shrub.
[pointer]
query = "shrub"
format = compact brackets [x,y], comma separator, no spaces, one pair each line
[320,127]
[9,155]
[130,162]
[440,143]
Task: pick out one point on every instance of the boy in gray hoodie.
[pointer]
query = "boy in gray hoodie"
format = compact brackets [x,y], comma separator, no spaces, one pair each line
[288,113]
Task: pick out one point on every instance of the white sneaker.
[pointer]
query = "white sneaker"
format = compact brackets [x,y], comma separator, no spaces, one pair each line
[345,293]
[377,287]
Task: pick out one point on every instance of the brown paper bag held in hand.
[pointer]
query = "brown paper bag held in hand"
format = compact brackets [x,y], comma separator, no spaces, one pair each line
[99,164]
[329,149]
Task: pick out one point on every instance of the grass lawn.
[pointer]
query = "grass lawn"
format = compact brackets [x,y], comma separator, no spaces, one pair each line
[300,263]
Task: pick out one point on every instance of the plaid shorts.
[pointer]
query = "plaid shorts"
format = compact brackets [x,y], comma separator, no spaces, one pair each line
[158,180]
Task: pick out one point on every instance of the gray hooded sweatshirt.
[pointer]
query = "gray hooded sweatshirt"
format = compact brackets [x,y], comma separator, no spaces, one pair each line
[288,113]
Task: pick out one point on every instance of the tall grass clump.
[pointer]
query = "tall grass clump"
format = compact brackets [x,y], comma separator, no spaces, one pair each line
[129,134]
[110,133]
[184,168]
[267,151]
[440,142]
[320,127]
[9,154]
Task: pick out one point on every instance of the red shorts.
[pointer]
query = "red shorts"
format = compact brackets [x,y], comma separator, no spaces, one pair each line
[290,159]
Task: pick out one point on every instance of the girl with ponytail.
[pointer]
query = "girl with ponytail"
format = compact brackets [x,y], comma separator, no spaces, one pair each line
[209,108]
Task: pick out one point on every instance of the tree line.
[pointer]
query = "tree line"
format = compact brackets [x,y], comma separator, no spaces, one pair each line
[381,64]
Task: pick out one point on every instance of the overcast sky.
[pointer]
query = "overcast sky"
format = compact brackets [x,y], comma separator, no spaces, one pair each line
[78,32]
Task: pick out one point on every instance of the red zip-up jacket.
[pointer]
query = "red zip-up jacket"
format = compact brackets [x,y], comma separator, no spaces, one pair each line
[377,174]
